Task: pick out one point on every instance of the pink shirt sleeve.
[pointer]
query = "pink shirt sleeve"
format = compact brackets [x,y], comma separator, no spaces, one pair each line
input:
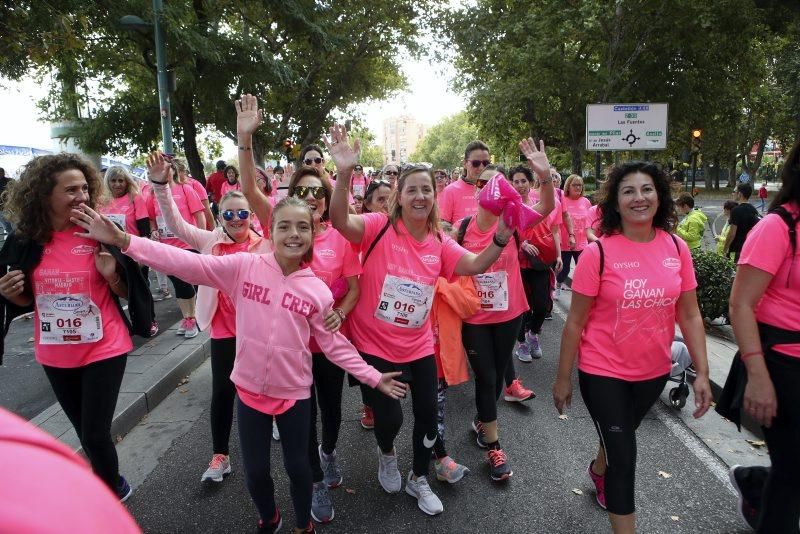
[198,188]
[139,208]
[351,266]
[452,252]
[766,258]
[192,200]
[586,278]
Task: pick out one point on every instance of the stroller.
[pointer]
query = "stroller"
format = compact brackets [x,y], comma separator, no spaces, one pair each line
[681,368]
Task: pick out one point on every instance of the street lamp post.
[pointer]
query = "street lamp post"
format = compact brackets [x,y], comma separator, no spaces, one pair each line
[135,23]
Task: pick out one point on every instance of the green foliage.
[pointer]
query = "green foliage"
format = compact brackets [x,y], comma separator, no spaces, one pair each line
[444,143]
[714,275]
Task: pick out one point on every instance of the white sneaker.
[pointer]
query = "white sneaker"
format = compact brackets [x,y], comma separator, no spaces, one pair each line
[182,327]
[191,328]
[219,466]
[427,500]
[557,293]
[275,434]
[388,473]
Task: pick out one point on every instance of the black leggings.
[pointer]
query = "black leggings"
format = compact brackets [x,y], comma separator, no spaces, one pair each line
[88,395]
[566,258]
[421,377]
[489,348]
[223,392]
[617,407]
[780,511]
[327,391]
[540,301]
[183,290]
[255,432]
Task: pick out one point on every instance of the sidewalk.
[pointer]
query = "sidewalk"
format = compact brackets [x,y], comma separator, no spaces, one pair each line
[153,371]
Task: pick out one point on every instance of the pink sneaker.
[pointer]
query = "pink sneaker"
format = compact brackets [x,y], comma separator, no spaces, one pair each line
[599,485]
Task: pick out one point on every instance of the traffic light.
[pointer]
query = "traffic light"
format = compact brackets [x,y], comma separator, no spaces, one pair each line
[697,140]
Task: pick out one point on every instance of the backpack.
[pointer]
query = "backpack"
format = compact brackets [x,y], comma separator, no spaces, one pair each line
[462,230]
[791,223]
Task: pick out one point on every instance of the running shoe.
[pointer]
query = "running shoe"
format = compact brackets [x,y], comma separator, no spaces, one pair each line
[599,486]
[161,294]
[427,500]
[191,328]
[747,511]
[548,316]
[388,474]
[309,529]
[218,467]
[447,470]
[124,489]
[182,327]
[516,392]
[276,435]
[480,439]
[273,526]
[330,467]
[523,352]
[557,293]
[499,469]
[534,346]
[321,504]
[691,371]
[367,418]
[154,329]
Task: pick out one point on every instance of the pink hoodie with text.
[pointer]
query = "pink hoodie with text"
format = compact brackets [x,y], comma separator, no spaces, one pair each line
[275,317]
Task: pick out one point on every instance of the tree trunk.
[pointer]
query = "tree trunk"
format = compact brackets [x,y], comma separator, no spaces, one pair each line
[259,151]
[185,115]
[732,173]
[717,171]
[706,175]
[577,159]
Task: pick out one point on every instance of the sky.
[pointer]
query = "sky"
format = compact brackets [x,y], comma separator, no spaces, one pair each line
[429,98]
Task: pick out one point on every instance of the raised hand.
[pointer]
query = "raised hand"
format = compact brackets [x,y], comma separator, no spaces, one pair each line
[158,168]
[98,227]
[537,159]
[391,387]
[248,116]
[344,155]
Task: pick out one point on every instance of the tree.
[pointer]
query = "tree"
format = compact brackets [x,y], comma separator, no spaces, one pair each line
[443,144]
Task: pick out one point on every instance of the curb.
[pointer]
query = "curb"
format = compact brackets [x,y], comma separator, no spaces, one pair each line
[152,372]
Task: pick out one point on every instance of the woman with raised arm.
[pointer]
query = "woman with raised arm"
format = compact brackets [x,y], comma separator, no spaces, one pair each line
[404,253]
[631,286]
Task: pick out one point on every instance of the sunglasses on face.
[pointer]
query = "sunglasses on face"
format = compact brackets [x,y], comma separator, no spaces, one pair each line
[478,162]
[357,169]
[441,177]
[301,191]
[309,161]
[391,173]
[228,215]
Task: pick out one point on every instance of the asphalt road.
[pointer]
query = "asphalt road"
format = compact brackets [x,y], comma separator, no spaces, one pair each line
[550,491]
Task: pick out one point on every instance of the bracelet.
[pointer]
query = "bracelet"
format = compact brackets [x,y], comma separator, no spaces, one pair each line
[158,183]
[497,242]
[245,147]
[340,313]
[746,355]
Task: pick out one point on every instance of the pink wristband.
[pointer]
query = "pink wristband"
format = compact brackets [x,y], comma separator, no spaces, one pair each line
[746,355]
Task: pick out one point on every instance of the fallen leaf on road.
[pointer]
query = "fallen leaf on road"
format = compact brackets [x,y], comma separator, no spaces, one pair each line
[674,517]
[183,390]
[351,491]
[756,442]
[664,474]
[563,417]
[30,340]
[576,491]
[184,380]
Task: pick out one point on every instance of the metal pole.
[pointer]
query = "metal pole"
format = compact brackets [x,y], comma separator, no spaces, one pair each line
[597,170]
[163,87]
[694,172]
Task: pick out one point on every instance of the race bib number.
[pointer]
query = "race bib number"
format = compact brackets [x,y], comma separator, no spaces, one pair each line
[492,290]
[67,314]
[117,218]
[404,303]
[358,190]
[163,231]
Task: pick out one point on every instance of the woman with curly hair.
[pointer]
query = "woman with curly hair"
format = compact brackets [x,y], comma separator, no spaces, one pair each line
[631,286]
[80,336]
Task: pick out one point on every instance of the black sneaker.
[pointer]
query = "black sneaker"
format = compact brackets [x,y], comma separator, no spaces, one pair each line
[748,512]
[691,371]
[548,316]
[273,526]
[499,469]
[124,489]
[477,427]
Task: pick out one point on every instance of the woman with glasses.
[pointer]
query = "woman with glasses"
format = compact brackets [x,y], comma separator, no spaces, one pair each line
[390,173]
[404,253]
[360,182]
[214,308]
[458,199]
[441,180]
[578,207]
[335,263]
[191,210]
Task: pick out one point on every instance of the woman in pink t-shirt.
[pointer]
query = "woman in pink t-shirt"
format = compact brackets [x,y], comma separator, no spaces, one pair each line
[404,253]
[490,334]
[80,336]
[765,314]
[199,189]
[125,205]
[578,207]
[359,182]
[628,291]
[231,182]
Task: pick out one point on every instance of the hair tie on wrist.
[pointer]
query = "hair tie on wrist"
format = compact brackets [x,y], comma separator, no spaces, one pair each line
[745,355]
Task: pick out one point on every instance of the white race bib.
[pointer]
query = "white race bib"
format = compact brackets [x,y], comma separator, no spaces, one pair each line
[118,218]
[358,190]
[163,231]
[68,318]
[492,290]
[404,303]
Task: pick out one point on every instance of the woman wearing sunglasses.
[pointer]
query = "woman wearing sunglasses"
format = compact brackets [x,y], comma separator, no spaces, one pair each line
[335,263]
[390,173]
[404,253]
[214,308]
[458,199]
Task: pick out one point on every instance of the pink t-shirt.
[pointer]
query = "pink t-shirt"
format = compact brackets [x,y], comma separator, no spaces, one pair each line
[579,212]
[457,201]
[594,218]
[265,403]
[126,212]
[632,321]
[227,186]
[554,217]
[198,188]
[334,258]
[359,185]
[767,248]
[392,317]
[76,321]
[500,287]
[188,204]
[223,324]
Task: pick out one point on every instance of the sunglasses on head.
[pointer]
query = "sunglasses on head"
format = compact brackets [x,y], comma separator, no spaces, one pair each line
[478,162]
[441,176]
[309,161]
[228,215]
[301,191]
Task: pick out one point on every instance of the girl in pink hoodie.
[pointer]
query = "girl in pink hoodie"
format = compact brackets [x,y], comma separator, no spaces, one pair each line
[280,304]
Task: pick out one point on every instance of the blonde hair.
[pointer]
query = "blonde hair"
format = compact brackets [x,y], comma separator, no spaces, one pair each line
[396,210]
[568,182]
[116,172]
